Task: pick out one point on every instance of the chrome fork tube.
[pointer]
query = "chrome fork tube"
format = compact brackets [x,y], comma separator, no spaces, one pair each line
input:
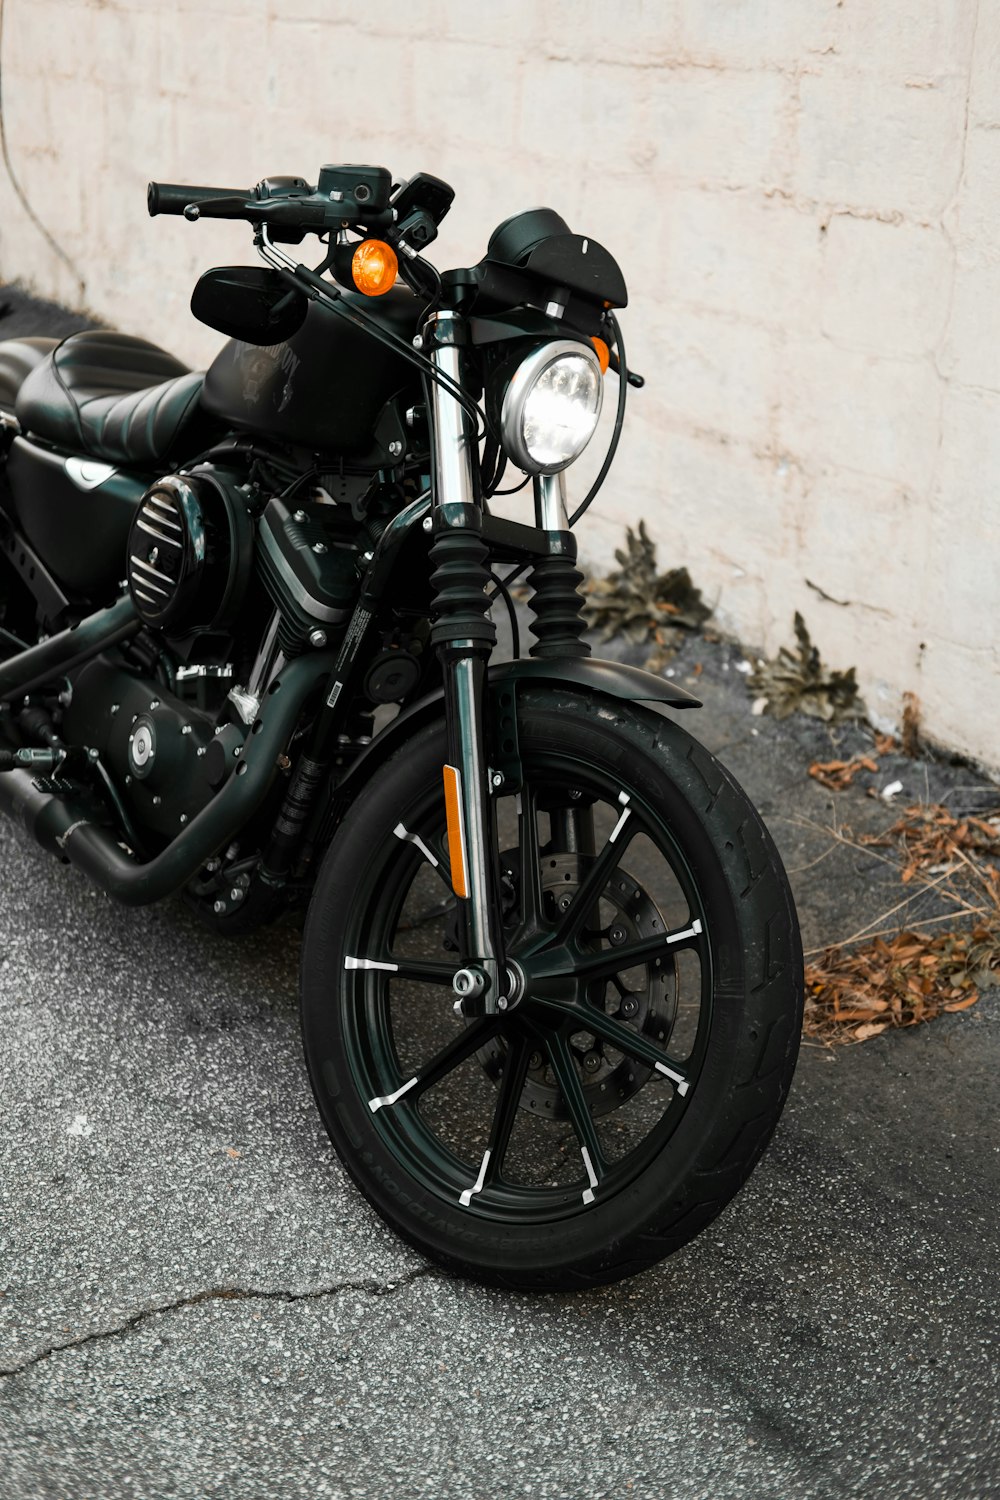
[452,439]
[464,638]
[550,502]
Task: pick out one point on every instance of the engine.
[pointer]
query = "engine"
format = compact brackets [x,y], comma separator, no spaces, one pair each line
[166,758]
[190,551]
[194,551]
[308,562]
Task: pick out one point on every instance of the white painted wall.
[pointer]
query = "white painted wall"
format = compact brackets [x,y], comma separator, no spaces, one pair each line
[804,196]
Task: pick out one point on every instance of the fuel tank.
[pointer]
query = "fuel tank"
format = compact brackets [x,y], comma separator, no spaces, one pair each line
[327,387]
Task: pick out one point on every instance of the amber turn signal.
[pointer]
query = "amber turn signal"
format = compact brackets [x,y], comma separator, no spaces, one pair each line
[603,354]
[374,267]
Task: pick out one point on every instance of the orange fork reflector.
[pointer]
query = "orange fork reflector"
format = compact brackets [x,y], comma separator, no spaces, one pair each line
[456,831]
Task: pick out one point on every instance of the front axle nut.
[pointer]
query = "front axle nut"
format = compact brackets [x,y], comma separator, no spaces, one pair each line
[468,983]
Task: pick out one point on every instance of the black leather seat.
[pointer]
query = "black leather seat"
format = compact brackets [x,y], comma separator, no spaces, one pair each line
[18,357]
[115,397]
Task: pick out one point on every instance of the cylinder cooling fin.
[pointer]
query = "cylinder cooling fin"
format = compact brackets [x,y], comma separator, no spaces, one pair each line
[308,563]
[189,552]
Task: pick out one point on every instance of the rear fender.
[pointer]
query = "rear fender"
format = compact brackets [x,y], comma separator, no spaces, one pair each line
[612,678]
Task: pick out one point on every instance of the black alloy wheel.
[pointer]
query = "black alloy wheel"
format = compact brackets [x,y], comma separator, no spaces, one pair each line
[651,1016]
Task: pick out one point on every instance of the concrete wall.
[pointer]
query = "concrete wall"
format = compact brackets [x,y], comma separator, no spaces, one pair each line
[804,197]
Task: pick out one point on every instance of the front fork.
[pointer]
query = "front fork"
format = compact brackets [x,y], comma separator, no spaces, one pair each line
[464,636]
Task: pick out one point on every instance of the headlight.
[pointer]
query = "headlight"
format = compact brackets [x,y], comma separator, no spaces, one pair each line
[551,406]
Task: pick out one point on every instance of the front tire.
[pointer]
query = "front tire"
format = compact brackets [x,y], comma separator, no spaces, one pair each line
[656,999]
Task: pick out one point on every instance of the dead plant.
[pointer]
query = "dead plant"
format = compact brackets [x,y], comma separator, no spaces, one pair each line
[643,605]
[838,775]
[911,725]
[798,682]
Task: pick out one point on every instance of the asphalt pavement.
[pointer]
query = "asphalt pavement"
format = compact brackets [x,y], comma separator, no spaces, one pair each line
[195,1301]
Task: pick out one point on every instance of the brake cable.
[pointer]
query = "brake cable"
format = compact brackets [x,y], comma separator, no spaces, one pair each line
[623,383]
[625,379]
[502,589]
[316,288]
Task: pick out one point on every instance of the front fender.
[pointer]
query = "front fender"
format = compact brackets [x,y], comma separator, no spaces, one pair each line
[613,678]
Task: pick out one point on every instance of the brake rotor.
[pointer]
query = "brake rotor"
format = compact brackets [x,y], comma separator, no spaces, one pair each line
[649,1008]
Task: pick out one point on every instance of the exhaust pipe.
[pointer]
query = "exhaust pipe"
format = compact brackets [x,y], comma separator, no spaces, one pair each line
[66,829]
[51,658]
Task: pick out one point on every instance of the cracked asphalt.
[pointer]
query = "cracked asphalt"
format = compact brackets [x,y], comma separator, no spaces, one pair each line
[195,1302]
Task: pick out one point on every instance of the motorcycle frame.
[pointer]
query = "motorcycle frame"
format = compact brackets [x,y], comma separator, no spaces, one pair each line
[464,637]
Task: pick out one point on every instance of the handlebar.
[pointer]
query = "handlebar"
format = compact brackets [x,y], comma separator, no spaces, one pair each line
[173,198]
[344,197]
[287,205]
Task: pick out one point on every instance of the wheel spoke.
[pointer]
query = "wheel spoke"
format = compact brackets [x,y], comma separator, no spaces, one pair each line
[508,1098]
[443,1062]
[564,1068]
[594,881]
[456,1051]
[432,850]
[425,971]
[633,1044]
[561,963]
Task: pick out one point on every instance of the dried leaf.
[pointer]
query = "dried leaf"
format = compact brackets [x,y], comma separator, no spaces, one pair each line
[837,775]
[910,979]
[932,837]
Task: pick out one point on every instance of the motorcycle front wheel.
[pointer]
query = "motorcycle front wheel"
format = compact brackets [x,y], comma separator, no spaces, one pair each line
[653,1005]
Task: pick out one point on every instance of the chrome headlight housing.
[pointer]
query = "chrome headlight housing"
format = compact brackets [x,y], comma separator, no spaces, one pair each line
[551,406]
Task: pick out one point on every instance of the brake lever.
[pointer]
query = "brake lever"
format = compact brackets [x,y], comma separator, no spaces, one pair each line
[634,379]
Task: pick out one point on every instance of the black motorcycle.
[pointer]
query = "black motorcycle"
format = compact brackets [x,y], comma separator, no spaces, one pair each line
[551,973]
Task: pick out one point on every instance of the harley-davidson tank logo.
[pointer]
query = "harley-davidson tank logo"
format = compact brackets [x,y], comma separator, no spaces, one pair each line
[261,371]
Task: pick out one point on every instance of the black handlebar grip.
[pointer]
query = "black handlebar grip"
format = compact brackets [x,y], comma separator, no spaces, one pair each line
[173,198]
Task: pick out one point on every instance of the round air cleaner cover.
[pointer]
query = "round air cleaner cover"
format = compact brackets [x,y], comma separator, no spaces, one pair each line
[189,552]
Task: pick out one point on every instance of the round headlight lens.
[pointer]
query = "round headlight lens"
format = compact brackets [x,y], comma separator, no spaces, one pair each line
[551,406]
